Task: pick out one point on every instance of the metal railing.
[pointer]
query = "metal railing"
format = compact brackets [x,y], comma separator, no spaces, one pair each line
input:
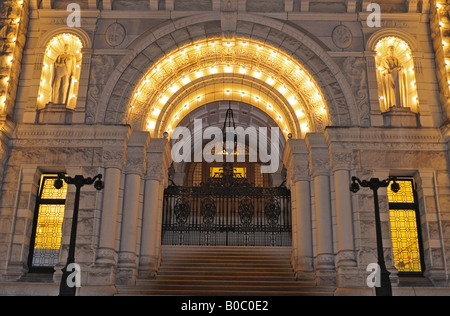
[227,216]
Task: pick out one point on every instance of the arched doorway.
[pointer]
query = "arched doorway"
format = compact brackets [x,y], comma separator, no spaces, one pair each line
[229,201]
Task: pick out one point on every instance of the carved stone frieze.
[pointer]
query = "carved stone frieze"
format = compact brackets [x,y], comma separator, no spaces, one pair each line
[355,68]
[135,160]
[101,68]
[341,159]
[113,157]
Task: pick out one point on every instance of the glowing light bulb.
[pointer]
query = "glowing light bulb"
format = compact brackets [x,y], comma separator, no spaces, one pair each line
[299,113]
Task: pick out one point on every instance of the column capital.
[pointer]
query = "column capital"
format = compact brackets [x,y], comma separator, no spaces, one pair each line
[296,160]
[136,152]
[113,157]
[159,159]
[341,160]
[319,156]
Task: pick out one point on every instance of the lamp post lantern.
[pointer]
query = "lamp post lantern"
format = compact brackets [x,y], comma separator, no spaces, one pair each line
[374,184]
[79,181]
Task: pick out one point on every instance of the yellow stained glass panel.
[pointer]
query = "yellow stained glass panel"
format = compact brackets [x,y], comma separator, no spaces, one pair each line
[50,216]
[49,191]
[49,227]
[405,240]
[404,195]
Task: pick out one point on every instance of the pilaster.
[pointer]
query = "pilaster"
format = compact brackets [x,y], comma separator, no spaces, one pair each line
[320,171]
[134,168]
[156,178]
[296,161]
[341,163]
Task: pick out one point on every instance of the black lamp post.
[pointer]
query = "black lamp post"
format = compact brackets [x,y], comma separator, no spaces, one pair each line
[78,181]
[375,184]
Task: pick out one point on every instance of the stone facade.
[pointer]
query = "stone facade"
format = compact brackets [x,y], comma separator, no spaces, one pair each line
[129,45]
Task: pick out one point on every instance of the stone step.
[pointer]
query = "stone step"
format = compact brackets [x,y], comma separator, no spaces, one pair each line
[225,271]
[229,293]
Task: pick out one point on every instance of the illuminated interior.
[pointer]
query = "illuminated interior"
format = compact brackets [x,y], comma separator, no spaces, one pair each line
[52,51]
[242,70]
[403,53]
[49,224]
[237,172]
[405,240]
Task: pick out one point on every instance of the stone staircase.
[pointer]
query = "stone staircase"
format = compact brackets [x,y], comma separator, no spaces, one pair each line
[225,271]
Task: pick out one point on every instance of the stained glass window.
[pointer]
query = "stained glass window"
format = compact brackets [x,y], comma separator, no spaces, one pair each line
[404,227]
[48,224]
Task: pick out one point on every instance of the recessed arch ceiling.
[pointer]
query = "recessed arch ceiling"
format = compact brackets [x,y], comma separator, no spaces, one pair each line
[237,69]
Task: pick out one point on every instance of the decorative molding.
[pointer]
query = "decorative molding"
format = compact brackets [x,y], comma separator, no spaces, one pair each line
[342,36]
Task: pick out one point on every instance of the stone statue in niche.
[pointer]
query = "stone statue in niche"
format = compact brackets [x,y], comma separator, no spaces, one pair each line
[64,70]
[393,81]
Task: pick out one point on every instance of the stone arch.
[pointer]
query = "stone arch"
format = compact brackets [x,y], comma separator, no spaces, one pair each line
[116,98]
[391,32]
[76,31]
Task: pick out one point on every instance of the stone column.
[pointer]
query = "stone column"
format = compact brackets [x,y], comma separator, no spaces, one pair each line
[319,168]
[158,162]
[346,260]
[103,272]
[106,250]
[149,259]
[136,153]
[296,161]
[304,261]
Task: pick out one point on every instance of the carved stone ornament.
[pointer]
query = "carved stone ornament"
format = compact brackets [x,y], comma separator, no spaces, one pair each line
[115,34]
[113,158]
[342,36]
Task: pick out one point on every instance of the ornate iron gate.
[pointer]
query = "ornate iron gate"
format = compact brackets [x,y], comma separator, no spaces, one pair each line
[234,215]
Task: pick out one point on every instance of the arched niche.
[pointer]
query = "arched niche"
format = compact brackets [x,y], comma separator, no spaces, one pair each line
[395,75]
[61,69]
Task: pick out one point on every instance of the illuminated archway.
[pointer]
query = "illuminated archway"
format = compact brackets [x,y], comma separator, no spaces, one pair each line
[237,69]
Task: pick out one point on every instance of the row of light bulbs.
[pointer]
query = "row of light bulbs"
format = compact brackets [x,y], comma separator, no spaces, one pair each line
[165,93]
[10,58]
[444,42]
